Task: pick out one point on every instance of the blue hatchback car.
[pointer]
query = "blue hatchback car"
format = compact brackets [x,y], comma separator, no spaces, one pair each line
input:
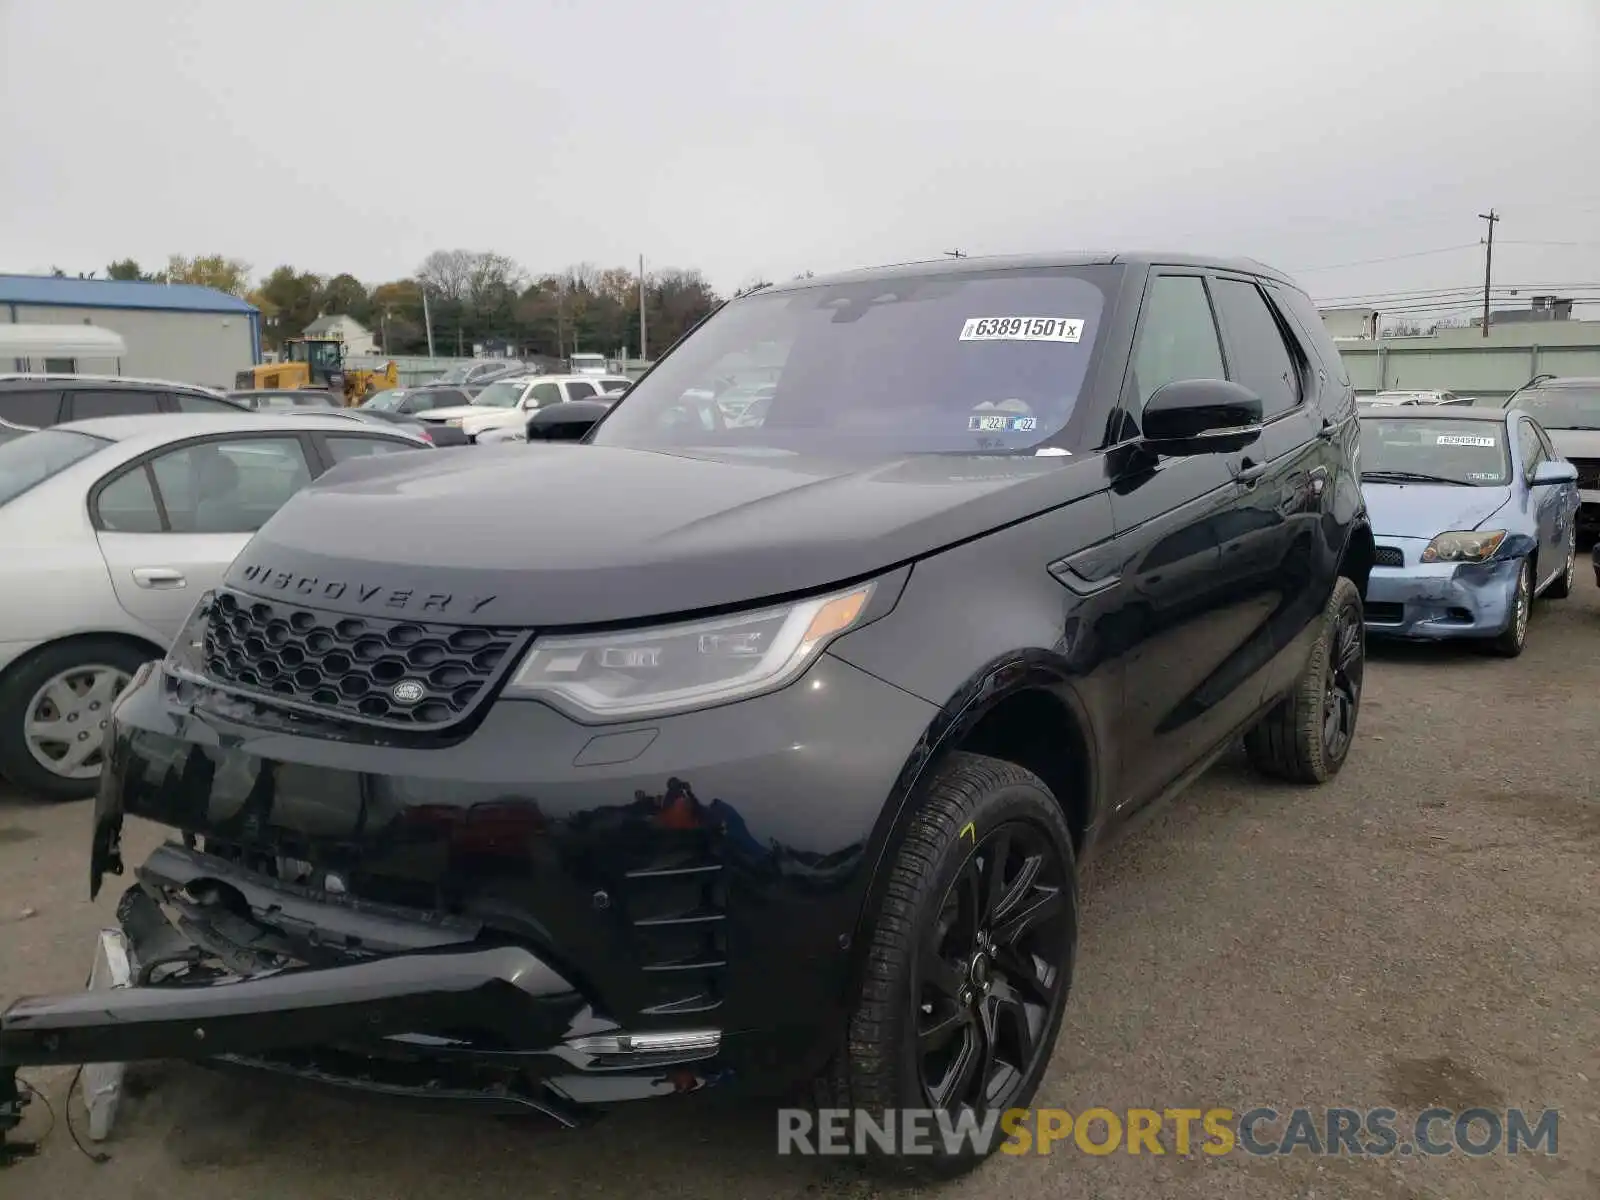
[1474,515]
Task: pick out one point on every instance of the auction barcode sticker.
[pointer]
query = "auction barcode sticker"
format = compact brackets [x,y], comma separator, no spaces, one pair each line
[1021,329]
[1464,439]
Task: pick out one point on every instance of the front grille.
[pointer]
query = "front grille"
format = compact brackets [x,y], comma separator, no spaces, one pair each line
[1389,556]
[1384,612]
[1588,472]
[351,665]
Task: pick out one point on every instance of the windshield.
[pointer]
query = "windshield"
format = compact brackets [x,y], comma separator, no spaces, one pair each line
[1562,407]
[386,401]
[31,459]
[1442,451]
[933,363]
[504,394]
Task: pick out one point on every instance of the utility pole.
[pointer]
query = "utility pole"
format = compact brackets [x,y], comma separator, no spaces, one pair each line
[427,320]
[644,339]
[1488,263]
[955,253]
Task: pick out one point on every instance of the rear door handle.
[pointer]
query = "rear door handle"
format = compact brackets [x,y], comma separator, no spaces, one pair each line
[1249,472]
[159,578]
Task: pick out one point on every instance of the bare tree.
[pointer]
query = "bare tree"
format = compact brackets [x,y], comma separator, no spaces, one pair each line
[448,273]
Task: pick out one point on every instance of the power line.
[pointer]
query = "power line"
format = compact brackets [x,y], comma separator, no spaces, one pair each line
[1408,293]
[1368,262]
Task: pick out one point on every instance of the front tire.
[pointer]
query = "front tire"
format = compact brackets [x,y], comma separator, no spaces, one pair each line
[969,965]
[1514,640]
[55,710]
[1307,737]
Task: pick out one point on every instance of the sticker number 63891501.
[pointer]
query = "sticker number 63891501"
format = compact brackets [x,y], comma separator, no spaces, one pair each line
[1021,329]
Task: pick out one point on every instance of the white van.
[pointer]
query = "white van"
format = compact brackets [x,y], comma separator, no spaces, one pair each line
[61,350]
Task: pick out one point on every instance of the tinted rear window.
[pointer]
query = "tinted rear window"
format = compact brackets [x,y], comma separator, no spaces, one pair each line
[29,460]
[937,362]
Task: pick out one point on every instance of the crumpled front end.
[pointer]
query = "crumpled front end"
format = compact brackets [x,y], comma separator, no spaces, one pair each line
[1409,598]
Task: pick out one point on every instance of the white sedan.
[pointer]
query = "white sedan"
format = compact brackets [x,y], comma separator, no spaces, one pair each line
[113,529]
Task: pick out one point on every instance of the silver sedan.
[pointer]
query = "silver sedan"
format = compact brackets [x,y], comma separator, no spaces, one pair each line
[112,529]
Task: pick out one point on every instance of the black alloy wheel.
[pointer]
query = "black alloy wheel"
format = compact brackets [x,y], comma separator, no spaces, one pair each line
[988,979]
[1346,667]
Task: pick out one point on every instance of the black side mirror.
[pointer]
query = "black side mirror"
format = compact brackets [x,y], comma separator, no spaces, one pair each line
[569,421]
[1201,416]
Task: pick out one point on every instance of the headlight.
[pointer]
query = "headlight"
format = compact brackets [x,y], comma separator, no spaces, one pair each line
[188,653]
[1470,546]
[455,422]
[676,667]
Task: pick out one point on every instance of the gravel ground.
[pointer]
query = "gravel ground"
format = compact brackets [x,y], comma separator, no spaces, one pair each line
[1425,930]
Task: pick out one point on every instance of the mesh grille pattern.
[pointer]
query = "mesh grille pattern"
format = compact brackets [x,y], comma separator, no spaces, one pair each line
[1389,556]
[401,672]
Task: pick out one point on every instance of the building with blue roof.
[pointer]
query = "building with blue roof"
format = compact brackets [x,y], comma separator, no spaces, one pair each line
[177,331]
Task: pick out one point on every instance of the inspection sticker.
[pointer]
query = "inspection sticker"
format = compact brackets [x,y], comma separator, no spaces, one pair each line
[1001,423]
[1021,329]
[1465,439]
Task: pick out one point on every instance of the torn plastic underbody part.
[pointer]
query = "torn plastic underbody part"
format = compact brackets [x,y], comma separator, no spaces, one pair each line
[251,973]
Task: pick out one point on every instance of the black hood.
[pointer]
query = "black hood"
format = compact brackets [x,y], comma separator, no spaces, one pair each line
[547,535]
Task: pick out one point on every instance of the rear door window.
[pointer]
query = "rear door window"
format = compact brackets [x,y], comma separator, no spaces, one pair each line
[35,409]
[544,393]
[84,404]
[578,390]
[229,486]
[128,504]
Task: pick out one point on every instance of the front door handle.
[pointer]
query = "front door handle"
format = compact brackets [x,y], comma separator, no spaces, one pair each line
[1249,472]
[159,578]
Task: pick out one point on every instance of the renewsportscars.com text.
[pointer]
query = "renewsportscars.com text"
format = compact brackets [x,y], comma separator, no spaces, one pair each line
[1375,1132]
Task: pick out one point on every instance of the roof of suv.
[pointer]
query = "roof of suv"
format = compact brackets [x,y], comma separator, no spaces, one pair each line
[1431,412]
[102,382]
[967,265]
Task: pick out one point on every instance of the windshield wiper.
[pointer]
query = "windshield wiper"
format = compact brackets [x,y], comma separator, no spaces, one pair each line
[1411,477]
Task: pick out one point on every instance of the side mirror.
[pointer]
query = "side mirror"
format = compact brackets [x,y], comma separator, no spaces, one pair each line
[1549,473]
[569,421]
[1201,416]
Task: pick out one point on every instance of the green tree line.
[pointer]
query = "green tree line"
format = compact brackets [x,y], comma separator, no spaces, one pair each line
[473,297]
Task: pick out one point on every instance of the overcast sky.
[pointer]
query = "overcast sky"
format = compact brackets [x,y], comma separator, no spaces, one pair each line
[763,138]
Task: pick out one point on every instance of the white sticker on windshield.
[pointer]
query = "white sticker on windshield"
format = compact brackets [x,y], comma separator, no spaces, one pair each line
[1021,329]
[1483,476]
[1464,439]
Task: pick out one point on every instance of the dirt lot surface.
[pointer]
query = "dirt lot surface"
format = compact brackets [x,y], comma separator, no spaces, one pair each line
[1424,931]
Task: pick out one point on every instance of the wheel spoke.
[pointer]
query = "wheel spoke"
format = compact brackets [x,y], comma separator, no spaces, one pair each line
[62,698]
[995,856]
[1349,649]
[1022,975]
[79,752]
[1015,1025]
[1017,890]
[988,1036]
[941,1029]
[1041,904]
[958,1076]
[48,731]
[938,972]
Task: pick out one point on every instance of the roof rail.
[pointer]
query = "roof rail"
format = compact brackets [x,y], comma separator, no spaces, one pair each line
[1534,382]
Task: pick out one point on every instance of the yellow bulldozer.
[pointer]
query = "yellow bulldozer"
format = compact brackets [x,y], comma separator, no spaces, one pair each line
[318,363]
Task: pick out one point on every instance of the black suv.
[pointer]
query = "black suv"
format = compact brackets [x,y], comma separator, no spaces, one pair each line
[777,757]
[39,401]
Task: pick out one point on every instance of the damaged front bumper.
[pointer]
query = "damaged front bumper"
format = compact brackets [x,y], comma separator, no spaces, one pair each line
[216,964]
[1440,600]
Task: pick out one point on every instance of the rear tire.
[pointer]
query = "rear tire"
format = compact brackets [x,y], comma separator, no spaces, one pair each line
[1307,737]
[1562,587]
[66,689]
[1514,640]
[967,968]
